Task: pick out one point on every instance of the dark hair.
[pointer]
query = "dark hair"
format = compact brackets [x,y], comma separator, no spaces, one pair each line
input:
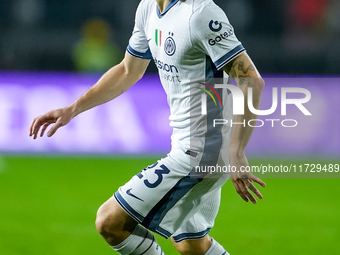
[182,0]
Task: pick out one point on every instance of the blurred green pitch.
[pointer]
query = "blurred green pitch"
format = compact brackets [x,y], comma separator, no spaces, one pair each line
[48,206]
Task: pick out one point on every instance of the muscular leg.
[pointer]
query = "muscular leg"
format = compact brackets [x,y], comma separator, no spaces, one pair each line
[123,233]
[202,246]
[113,223]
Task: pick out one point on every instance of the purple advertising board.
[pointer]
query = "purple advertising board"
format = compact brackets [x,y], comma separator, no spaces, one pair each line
[137,121]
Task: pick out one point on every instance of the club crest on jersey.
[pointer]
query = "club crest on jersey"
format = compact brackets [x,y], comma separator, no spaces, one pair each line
[215,26]
[169,45]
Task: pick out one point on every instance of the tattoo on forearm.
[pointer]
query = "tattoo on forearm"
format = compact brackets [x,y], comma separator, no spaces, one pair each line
[240,67]
[239,71]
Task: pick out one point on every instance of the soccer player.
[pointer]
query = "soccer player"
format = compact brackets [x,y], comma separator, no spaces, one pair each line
[189,41]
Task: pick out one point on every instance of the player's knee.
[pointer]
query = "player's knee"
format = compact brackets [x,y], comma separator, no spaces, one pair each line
[183,248]
[109,221]
[193,247]
[113,223]
[105,222]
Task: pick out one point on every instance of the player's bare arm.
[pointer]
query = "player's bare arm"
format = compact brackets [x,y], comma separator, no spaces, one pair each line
[244,72]
[112,84]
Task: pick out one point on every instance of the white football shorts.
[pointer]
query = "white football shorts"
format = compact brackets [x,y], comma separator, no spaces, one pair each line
[169,199]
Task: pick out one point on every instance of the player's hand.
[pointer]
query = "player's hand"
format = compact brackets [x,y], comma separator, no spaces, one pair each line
[60,117]
[243,181]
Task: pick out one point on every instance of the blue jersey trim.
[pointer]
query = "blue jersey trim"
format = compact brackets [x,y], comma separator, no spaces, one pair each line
[146,55]
[213,136]
[158,212]
[211,70]
[188,236]
[139,218]
[229,56]
[163,232]
[122,202]
[168,7]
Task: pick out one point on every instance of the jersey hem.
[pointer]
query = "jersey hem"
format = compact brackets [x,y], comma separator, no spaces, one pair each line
[137,54]
[229,56]
[127,208]
[189,236]
[137,217]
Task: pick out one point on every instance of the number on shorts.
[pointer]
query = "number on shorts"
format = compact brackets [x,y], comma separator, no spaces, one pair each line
[158,172]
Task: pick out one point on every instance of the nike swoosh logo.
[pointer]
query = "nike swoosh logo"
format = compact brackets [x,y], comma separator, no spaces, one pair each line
[132,195]
[149,40]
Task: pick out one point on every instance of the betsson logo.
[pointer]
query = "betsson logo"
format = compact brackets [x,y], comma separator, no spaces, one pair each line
[164,66]
[167,72]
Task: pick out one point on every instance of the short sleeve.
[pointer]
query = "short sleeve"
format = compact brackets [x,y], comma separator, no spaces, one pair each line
[138,43]
[211,32]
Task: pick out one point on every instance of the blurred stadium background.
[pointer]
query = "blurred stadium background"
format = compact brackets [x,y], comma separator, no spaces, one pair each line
[52,51]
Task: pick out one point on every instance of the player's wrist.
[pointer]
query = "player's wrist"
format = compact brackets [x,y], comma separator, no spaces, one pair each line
[72,108]
[236,151]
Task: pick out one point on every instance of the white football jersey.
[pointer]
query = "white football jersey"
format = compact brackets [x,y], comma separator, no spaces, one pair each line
[190,41]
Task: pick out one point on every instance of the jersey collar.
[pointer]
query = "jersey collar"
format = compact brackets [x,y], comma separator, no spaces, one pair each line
[168,7]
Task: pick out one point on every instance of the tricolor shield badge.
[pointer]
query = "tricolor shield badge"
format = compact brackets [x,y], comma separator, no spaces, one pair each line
[158,37]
